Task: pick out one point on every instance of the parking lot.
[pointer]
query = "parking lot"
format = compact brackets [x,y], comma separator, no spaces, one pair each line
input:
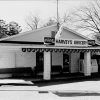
[61,90]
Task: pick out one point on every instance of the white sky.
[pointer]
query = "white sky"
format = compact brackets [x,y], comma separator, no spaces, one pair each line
[18,10]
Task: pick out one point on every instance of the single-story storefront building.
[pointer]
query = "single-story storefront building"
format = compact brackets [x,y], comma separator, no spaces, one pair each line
[45,48]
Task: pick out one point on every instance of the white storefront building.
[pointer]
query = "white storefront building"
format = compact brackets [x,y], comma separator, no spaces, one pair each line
[43,50]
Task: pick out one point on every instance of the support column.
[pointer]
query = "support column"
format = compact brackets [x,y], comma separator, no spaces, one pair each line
[87,63]
[47,66]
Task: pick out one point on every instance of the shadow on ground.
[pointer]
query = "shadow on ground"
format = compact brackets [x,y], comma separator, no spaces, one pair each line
[64,81]
[75,94]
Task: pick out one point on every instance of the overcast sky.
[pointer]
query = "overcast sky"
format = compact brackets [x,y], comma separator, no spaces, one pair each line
[18,10]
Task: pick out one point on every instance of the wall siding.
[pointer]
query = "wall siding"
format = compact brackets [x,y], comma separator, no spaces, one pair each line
[25,59]
[70,35]
[57,58]
[7,59]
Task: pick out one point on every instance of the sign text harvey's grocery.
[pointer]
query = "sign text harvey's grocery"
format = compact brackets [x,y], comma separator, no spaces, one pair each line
[70,42]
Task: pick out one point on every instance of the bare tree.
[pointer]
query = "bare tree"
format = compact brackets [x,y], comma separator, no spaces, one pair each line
[53,20]
[65,18]
[50,22]
[32,22]
[87,18]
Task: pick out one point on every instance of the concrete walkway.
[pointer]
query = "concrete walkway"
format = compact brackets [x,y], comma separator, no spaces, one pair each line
[83,90]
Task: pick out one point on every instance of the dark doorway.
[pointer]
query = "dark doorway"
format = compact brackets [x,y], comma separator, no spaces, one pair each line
[39,61]
[66,63]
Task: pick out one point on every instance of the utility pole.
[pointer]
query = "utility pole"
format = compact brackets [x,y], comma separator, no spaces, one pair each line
[57,16]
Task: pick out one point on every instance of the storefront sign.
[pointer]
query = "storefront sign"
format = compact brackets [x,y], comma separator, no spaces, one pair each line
[70,42]
[49,40]
[91,42]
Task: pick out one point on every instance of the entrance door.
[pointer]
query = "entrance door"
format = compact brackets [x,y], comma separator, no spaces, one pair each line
[39,62]
[66,63]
